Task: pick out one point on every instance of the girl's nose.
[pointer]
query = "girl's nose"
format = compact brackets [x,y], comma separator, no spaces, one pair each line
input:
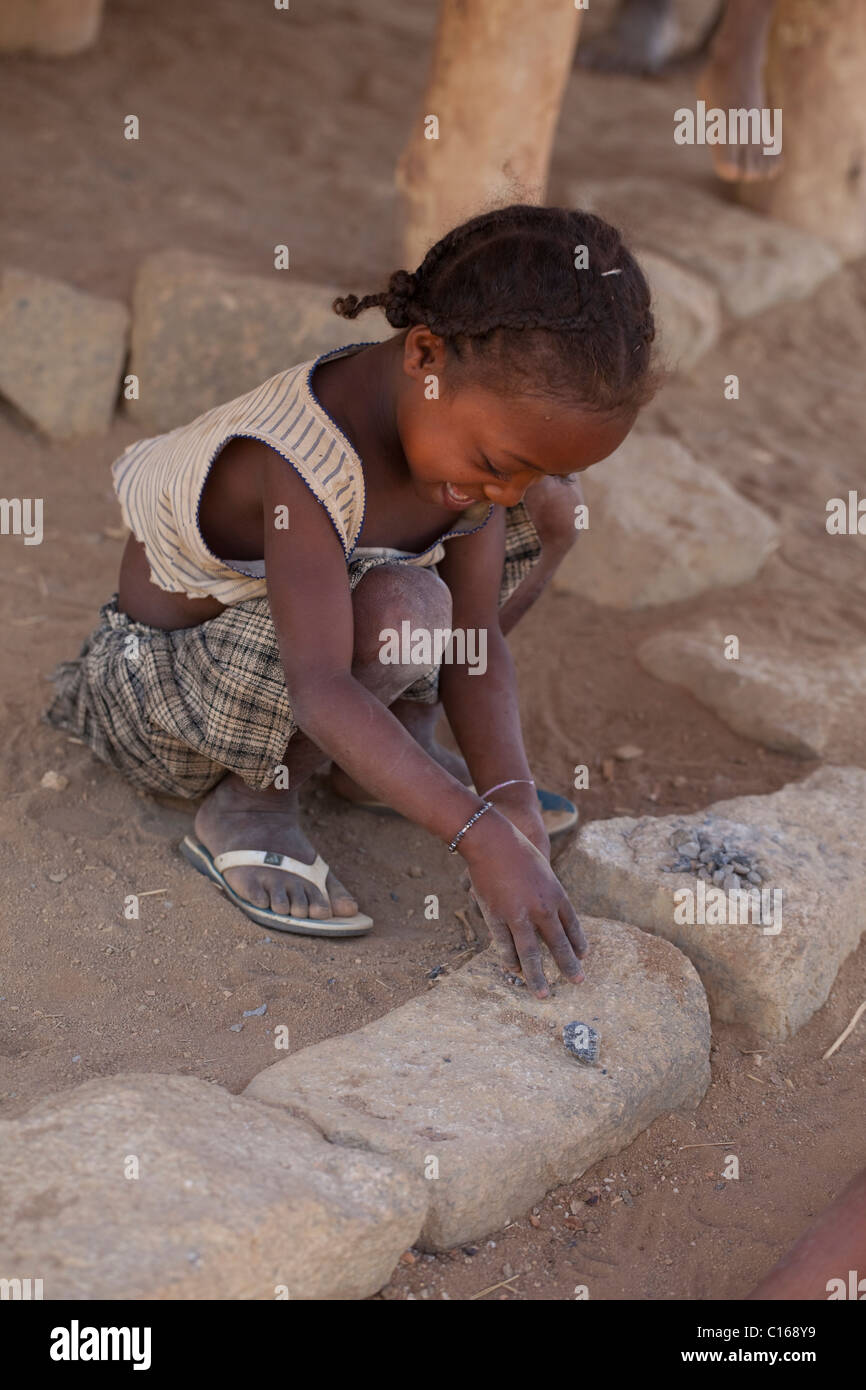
[505,495]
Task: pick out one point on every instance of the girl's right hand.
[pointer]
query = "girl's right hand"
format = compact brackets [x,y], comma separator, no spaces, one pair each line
[522,900]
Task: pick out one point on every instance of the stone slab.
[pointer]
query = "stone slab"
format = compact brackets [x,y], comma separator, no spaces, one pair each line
[202,333]
[662,528]
[808,703]
[61,354]
[687,311]
[811,838]
[232,1201]
[472,1081]
[753,261]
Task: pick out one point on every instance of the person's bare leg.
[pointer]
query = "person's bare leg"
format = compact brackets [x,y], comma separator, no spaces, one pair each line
[733,79]
[640,39]
[551,505]
[830,1249]
[234,816]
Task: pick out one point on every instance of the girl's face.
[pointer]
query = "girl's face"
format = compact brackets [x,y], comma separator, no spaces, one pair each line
[471,445]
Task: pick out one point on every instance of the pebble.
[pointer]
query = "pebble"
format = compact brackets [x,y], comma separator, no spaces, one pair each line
[581,1041]
[58,877]
[256,1013]
[235,1027]
[54,781]
[627,751]
[690,850]
[415,871]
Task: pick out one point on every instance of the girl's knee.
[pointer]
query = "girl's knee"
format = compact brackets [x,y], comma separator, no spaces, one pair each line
[551,505]
[390,595]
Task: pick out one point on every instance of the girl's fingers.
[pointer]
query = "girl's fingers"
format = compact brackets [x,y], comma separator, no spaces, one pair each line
[572,928]
[560,947]
[529,951]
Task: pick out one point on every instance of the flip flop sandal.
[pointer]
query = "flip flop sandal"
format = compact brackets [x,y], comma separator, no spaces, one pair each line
[558,813]
[316,873]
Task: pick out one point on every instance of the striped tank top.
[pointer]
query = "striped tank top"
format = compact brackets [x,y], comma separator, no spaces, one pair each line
[159,483]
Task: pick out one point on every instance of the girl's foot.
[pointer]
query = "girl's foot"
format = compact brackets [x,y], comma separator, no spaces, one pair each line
[235,817]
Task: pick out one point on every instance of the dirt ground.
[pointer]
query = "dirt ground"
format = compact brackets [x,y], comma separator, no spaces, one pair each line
[252,134]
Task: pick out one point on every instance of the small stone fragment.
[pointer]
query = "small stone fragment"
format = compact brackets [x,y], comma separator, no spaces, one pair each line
[690,849]
[415,871]
[256,1013]
[235,1027]
[627,751]
[581,1041]
[54,781]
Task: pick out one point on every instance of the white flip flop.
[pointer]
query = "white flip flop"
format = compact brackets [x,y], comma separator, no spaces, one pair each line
[315,873]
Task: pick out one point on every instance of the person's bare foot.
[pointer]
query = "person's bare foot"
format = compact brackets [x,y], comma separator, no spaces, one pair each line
[235,817]
[733,79]
[420,720]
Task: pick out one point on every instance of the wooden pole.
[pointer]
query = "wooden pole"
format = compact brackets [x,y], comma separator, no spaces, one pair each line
[816,72]
[484,134]
[49,28]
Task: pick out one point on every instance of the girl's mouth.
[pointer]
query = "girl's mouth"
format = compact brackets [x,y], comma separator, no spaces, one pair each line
[455,499]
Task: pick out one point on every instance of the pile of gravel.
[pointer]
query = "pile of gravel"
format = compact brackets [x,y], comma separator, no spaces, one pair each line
[722,863]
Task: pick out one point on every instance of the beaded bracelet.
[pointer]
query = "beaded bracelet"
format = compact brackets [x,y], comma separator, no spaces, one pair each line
[488,806]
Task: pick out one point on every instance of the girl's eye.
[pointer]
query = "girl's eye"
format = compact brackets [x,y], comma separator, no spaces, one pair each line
[489,466]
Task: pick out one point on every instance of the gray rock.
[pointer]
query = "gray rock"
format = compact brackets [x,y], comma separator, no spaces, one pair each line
[61,354]
[810,839]
[687,310]
[202,333]
[753,261]
[662,528]
[690,850]
[801,701]
[509,1115]
[581,1040]
[258,1195]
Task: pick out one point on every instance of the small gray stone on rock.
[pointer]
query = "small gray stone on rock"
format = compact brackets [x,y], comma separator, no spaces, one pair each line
[581,1041]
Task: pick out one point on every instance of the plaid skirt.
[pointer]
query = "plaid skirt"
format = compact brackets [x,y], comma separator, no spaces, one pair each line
[174,711]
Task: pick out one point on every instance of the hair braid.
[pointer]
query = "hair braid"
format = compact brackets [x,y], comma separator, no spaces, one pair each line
[518,309]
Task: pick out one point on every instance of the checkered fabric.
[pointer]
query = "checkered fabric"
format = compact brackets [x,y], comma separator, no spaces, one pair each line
[174,711]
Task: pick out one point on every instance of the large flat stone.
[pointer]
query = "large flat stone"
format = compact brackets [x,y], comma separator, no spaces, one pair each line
[203,334]
[809,703]
[753,261]
[662,528]
[232,1199]
[687,310]
[61,354]
[811,838]
[475,1076]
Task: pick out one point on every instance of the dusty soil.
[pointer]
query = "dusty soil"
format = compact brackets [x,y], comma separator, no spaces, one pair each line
[254,132]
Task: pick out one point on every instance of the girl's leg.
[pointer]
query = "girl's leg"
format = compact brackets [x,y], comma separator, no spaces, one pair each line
[551,505]
[234,816]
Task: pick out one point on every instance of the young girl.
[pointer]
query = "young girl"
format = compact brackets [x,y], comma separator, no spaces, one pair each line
[276,538]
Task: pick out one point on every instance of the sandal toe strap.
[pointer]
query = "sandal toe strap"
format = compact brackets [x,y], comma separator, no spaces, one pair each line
[315,873]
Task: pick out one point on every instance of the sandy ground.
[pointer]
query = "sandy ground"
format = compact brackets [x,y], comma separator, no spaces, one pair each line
[254,133]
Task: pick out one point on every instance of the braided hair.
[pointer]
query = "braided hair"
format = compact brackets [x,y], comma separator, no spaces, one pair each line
[506,293]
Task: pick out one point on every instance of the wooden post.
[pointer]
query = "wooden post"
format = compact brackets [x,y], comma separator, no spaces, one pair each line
[816,72]
[484,134]
[49,28]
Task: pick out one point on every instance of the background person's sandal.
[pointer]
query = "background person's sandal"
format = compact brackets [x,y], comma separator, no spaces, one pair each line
[315,873]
